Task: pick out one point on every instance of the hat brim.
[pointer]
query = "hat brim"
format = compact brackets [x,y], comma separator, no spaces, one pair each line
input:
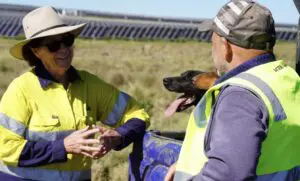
[205,25]
[16,50]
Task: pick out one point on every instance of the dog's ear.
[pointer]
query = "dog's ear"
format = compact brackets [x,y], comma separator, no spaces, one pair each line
[188,75]
[205,80]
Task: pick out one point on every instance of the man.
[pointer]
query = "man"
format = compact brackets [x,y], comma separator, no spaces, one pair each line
[247,126]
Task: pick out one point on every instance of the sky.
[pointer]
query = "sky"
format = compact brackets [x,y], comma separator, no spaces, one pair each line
[283,11]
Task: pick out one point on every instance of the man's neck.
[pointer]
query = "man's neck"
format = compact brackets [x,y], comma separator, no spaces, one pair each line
[241,55]
[255,61]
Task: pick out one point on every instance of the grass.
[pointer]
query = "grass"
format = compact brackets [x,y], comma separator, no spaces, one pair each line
[136,67]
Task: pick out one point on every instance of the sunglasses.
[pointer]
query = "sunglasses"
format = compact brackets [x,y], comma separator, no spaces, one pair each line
[54,46]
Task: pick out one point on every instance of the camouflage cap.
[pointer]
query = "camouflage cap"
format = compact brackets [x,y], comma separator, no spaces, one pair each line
[244,23]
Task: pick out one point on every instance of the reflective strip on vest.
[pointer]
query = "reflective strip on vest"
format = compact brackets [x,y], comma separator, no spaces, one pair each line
[36,173]
[276,106]
[199,113]
[180,176]
[18,128]
[289,175]
[117,112]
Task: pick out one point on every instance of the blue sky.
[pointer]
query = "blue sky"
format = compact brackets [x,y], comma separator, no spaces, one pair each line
[283,11]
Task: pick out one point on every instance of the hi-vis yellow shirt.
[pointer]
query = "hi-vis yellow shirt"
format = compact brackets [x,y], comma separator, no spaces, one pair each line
[30,112]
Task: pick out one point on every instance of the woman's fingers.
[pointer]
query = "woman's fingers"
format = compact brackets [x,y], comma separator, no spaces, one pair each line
[82,142]
[90,148]
[80,138]
[87,154]
[82,130]
[102,130]
[89,133]
[89,141]
[103,150]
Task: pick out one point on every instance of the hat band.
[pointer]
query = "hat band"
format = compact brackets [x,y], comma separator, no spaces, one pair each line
[46,29]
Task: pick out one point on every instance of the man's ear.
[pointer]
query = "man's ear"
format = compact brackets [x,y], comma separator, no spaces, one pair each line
[227,50]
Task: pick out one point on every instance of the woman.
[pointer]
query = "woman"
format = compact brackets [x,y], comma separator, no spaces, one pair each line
[46,114]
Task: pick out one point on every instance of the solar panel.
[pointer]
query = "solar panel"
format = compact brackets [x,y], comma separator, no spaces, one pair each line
[134,29]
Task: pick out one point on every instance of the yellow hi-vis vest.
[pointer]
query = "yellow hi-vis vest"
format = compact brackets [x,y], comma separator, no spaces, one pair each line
[278,86]
[29,112]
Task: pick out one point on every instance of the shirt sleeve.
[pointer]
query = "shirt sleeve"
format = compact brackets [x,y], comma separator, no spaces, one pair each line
[42,153]
[15,150]
[119,110]
[130,132]
[114,107]
[132,121]
[236,131]
[118,107]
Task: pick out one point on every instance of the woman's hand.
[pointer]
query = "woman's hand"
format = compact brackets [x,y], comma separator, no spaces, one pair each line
[109,139]
[80,142]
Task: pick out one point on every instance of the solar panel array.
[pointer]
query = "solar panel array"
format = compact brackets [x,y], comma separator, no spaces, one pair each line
[132,28]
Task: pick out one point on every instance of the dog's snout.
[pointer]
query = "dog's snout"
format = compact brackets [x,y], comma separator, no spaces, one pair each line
[166,81]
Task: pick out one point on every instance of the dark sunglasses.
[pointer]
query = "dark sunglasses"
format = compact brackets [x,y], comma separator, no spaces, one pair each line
[54,46]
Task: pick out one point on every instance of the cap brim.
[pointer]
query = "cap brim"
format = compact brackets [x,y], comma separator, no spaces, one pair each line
[16,50]
[205,25]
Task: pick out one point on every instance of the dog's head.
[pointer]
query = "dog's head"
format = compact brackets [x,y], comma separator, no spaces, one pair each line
[193,84]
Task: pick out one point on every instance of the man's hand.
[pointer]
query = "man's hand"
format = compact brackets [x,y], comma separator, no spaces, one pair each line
[79,142]
[171,173]
[109,139]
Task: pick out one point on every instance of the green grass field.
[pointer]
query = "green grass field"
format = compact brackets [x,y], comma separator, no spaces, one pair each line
[136,67]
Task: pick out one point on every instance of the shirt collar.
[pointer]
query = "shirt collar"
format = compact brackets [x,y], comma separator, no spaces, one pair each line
[258,60]
[45,78]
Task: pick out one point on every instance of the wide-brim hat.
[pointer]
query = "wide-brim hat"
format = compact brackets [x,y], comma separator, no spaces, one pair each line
[43,22]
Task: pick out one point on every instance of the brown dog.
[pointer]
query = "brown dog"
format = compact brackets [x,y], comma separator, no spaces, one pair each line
[193,84]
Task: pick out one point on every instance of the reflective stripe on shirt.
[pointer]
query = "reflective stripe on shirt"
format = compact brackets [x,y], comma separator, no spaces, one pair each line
[116,114]
[12,125]
[36,173]
[18,128]
[47,136]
